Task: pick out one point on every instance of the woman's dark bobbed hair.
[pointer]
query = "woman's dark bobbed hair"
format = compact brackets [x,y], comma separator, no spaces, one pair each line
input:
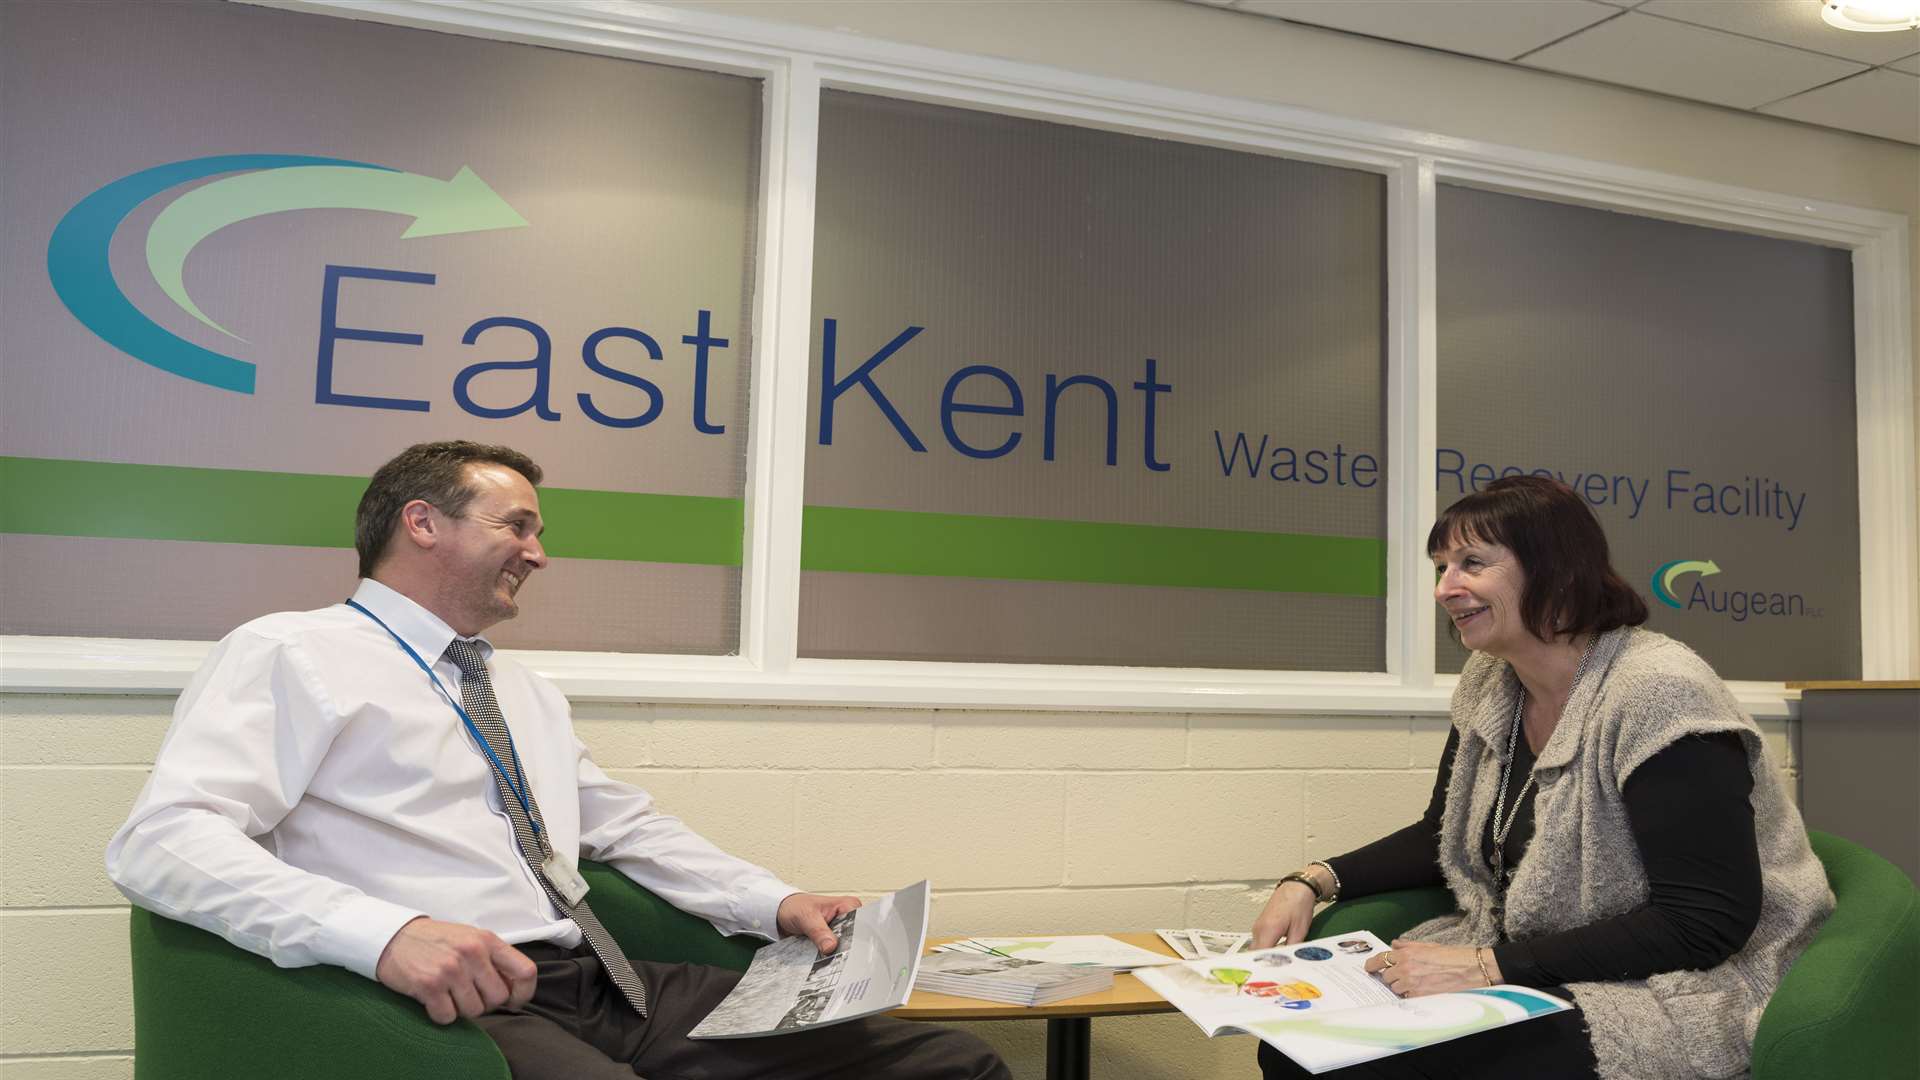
[1571,585]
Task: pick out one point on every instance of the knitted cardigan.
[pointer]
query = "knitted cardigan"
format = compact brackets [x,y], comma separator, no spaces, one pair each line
[1642,691]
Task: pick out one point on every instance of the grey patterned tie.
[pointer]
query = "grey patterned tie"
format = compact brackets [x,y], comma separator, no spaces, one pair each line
[476,693]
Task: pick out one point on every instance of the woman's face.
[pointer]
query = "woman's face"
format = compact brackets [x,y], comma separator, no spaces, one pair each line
[1479,586]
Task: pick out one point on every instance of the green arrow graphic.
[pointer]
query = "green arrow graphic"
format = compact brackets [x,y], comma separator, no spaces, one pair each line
[1706,568]
[438,207]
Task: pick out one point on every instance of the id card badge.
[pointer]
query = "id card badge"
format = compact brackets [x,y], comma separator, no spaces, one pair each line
[564,878]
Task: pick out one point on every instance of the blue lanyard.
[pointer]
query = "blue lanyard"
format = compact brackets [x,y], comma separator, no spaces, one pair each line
[517,789]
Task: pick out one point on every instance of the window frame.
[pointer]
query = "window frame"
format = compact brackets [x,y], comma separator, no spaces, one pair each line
[795,64]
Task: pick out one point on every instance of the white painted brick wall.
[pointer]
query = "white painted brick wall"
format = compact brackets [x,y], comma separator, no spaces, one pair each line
[56,823]
[1349,808]
[66,981]
[964,830]
[1065,742]
[1189,826]
[1236,742]
[747,812]
[81,1067]
[1025,822]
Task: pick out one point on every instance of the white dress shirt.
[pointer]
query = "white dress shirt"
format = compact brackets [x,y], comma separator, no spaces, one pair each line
[315,793]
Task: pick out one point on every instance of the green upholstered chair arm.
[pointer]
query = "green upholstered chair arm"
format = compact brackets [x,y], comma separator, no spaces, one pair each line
[203,1008]
[649,928]
[1848,1005]
[1387,914]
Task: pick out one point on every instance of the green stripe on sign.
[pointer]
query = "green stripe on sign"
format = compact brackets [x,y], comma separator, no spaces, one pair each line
[643,528]
[172,502]
[1032,549]
[240,506]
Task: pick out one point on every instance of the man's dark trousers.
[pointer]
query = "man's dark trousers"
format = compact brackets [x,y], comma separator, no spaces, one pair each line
[578,1027]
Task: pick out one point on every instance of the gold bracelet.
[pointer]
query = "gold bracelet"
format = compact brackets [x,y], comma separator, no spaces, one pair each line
[1480,957]
[1303,878]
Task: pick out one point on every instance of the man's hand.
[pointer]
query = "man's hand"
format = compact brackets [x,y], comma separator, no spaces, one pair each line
[1419,968]
[455,970]
[1288,913]
[807,914]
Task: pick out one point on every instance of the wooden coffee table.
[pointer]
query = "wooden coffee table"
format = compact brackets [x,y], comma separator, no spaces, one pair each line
[1069,1022]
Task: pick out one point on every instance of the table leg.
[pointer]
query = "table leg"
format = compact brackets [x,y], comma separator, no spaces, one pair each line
[1069,1048]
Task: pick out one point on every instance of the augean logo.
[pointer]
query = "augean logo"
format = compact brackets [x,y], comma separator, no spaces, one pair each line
[77,254]
[1736,604]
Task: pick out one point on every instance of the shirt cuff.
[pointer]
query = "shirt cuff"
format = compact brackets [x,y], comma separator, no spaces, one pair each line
[758,909]
[356,934]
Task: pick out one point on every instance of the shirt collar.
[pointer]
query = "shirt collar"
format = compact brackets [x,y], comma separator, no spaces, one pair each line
[426,632]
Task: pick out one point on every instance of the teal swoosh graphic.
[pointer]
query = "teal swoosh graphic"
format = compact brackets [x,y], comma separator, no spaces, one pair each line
[1660,585]
[79,267]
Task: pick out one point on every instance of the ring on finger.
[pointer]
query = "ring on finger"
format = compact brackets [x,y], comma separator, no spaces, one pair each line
[1387,960]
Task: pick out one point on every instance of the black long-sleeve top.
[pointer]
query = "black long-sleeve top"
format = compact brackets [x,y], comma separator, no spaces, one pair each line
[1692,819]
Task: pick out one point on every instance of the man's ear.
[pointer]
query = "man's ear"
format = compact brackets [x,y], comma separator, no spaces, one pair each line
[419,523]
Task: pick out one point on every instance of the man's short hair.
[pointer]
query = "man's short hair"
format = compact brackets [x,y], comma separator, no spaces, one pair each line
[435,472]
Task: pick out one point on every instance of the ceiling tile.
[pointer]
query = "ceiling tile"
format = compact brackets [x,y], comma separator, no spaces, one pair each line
[1689,61]
[1911,65]
[1789,22]
[1498,31]
[1884,103]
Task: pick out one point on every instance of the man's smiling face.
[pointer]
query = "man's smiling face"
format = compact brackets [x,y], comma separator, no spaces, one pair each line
[487,553]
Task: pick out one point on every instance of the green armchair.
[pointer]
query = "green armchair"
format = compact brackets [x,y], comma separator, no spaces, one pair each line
[1847,1006]
[203,1008]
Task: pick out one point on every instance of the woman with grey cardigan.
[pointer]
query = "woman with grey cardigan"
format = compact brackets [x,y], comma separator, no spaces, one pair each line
[1605,815]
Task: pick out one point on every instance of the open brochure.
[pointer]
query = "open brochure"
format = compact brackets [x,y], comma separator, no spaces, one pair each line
[1316,1003]
[790,986]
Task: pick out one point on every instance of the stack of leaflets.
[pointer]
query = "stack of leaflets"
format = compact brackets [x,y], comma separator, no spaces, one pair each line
[1316,1003]
[1098,949]
[1008,979]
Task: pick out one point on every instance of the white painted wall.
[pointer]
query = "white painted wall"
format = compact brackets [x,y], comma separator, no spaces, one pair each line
[1027,822]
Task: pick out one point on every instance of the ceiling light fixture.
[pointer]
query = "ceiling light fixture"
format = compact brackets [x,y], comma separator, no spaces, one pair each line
[1873,16]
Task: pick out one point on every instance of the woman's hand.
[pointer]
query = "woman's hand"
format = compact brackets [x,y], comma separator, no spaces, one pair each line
[1418,968]
[1286,917]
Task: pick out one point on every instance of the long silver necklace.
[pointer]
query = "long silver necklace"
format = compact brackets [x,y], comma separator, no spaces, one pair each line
[1502,828]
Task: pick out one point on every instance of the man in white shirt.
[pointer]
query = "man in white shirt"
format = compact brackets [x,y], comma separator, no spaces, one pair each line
[320,799]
